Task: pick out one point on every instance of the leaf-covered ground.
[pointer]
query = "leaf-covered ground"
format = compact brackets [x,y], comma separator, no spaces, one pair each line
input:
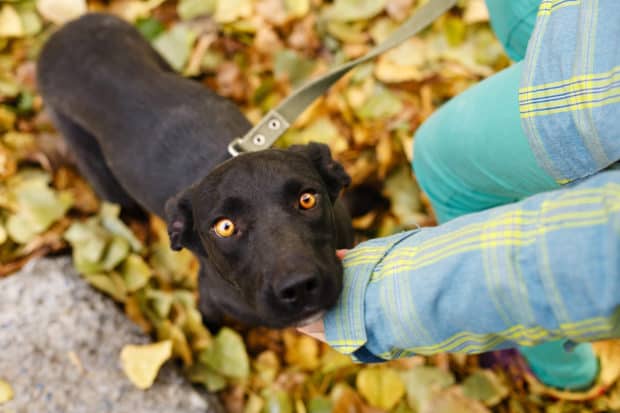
[256,52]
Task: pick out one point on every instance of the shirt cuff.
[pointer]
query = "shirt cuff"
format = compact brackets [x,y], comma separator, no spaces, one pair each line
[345,326]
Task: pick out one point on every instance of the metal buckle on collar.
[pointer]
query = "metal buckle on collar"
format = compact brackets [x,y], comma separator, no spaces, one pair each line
[233,148]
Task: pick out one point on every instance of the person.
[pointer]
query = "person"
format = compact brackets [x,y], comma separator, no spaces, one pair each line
[520,172]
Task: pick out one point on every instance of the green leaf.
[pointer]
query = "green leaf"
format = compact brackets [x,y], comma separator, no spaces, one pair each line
[109,219]
[136,272]
[277,401]
[292,65]
[422,382]
[213,381]
[320,405]
[38,207]
[176,45]
[347,10]
[111,284]
[322,130]
[150,27]
[484,385]
[227,355]
[25,102]
[188,9]
[116,251]
[227,11]
[381,387]
[382,103]
[31,22]
[160,301]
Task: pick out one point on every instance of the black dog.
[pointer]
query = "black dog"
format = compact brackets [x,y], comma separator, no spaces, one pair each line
[264,225]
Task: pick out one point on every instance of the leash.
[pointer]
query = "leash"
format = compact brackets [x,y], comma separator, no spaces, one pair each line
[278,120]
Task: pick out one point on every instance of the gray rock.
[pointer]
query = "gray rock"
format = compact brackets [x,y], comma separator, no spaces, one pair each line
[60,342]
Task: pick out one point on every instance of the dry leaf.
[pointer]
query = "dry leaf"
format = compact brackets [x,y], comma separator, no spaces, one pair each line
[61,11]
[141,363]
[6,392]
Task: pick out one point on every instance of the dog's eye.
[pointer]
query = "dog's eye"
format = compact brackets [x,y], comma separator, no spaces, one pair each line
[307,200]
[224,228]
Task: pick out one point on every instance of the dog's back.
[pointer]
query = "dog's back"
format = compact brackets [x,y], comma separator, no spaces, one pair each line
[97,73]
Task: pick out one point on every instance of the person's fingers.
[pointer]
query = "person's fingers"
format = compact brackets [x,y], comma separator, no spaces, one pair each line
[341,253]
[315,330]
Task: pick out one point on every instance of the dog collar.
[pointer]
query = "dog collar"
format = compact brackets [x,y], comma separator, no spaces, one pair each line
[278,120]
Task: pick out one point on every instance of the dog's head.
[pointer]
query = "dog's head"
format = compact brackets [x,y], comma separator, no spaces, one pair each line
[265,223]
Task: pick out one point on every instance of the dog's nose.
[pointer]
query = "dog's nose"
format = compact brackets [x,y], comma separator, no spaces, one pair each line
[298,289]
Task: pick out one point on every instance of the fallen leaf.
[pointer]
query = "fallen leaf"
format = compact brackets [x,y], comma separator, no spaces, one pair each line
[355,9]
[452,400]
[131,10]
[422,382]
[301,350]
[293,66]
[188,9]
[381,103]
[213,381]
[109,216]
[176,45]
[381,387]
[484,385]
[6,392]
[61,11]
[141,363]
[10,23]
[136,272]
[227,11]
[227,355]
[320,405]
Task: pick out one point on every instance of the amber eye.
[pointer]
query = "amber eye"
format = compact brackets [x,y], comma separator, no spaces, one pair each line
[224,228]
[307,200]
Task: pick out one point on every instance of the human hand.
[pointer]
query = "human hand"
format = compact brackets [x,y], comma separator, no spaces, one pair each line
[317,329]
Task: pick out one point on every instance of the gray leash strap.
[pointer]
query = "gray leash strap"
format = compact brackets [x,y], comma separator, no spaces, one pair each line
[278,120]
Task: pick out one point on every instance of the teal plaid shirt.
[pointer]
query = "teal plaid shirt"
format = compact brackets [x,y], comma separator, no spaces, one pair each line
[542,269]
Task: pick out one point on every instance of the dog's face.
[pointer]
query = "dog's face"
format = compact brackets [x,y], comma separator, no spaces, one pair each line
[265,222]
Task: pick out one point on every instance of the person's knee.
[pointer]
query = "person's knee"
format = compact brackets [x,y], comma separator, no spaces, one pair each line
[432,177]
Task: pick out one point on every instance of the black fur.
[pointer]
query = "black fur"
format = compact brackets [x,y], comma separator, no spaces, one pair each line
[147,138]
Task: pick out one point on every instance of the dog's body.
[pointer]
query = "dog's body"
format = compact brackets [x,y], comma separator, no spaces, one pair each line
[144,136]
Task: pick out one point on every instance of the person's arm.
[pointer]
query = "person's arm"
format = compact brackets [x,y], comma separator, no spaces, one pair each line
[541,269]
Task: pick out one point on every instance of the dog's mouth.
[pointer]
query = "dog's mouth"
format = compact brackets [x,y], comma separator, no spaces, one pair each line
[316,316]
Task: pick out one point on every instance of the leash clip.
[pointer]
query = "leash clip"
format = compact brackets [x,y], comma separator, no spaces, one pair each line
[233,148]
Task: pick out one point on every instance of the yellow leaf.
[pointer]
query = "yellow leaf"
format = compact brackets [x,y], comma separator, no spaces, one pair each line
[141,363]
[301,351]
[136,272]
[3,235]
[382,387]
[10,23]
[227,11]
[6,392]
[61,11]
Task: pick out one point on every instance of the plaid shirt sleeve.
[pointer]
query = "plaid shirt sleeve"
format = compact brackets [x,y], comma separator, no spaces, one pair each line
[570,90]
[545,268]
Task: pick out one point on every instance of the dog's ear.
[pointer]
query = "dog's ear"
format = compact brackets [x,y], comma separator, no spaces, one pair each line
[333,174]
[180,221]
